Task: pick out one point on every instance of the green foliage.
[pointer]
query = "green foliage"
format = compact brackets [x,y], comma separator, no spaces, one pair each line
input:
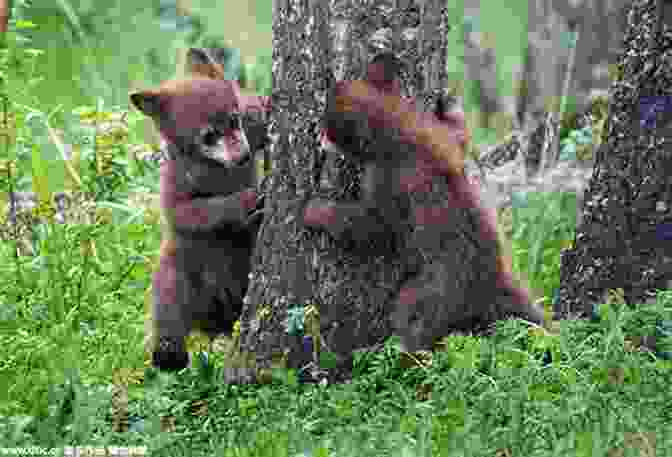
[73,311]
[67,288]
[71,321]
[294,322]
[543,222]
[581,143]
[104,49]
[576,139]
[568,123]
[258,75]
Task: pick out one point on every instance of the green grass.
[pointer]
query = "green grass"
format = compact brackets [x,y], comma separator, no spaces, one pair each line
[479,396]
[73,328]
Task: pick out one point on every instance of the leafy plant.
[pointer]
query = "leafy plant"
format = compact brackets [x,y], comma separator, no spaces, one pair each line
[542,223]
[575,142]
[580,143]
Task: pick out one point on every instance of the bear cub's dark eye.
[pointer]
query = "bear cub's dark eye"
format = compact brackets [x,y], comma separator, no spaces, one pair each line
[227,122]
[233,121]
[211,136]
[221,125]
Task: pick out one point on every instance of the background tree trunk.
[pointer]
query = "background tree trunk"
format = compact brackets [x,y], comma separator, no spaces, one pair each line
[622,242]
[522,84]
[315,42]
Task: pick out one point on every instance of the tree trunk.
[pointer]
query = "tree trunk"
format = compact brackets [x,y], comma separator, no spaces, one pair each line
[622,242]
[537,67]
[316,42]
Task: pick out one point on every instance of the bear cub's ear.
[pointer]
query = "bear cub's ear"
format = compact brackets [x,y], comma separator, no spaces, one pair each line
[147,102]
[206,62]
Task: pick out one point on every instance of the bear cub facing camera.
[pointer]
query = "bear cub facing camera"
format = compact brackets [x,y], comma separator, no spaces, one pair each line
[209,203]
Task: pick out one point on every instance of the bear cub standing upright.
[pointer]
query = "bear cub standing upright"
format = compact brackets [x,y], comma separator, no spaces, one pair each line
[208,201]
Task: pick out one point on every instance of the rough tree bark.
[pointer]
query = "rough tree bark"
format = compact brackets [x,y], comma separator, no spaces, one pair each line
[314,43]
[626,213]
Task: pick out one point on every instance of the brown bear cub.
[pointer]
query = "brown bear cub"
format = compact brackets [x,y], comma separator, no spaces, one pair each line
[401,149]
[208,200]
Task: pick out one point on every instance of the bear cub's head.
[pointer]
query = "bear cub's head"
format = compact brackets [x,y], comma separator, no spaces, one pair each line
[198,117]
[199,120]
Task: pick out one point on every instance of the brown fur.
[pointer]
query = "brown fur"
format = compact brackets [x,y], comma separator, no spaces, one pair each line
[428,303]
[208,236]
